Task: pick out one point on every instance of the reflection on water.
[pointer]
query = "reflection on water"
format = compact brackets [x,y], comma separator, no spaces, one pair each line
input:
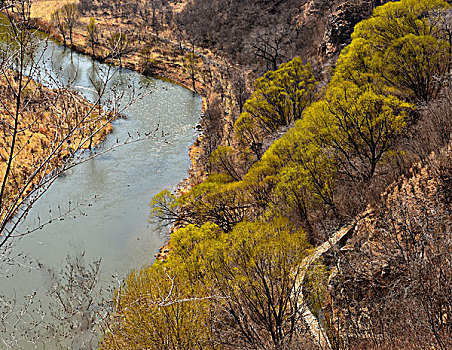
[112,191]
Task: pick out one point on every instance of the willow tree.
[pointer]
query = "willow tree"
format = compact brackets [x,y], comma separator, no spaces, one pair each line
[403,48]
[293,176]
[159,308]
[218,199]
[192,64]
[417,64]
[216,290]
[278,99]
[59,24]
[359,125]
[70,16]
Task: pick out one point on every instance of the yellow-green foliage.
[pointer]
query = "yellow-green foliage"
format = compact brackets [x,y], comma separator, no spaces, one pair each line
[278,99]
[399,54]
[402,48]
[192,62]
[193,248]
[222,159]
[202,253]
[174,305]
[349,132]
[218,199]
[92,34]
[259,255]
[357,124]
[164,206]
[159,309]
[257,267]
[192,65]
[292,175]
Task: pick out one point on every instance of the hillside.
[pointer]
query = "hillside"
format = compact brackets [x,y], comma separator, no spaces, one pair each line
[264,34]
[322,119]
[384,110]
[400,255]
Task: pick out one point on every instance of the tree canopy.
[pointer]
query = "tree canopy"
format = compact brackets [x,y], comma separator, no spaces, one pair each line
[279,99]
[248,276]
[401,48]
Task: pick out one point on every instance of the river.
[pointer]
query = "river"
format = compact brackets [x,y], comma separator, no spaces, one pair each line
[113,191]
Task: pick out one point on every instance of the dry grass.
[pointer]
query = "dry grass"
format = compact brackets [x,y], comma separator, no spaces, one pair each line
[44,8]
[47,118]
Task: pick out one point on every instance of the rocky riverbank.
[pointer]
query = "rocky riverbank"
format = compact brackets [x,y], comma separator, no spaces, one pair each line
[165,59]
[162,57]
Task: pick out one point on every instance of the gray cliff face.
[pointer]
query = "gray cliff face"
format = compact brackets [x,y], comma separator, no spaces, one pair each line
[340,22]
[314,29]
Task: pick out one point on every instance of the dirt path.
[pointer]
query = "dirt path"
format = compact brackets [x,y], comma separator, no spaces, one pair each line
[337,240]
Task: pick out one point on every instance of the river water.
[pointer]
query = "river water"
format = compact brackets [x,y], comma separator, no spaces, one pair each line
[113,190]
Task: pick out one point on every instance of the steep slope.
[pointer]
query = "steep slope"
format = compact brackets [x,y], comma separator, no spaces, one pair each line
[247,30]
[394,276]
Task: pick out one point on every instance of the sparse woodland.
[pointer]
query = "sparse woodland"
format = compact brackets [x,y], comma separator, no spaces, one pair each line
[41,128]
[384,110]
[295,145]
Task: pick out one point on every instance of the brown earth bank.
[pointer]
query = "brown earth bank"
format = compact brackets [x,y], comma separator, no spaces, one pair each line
[46,137]
[212,48]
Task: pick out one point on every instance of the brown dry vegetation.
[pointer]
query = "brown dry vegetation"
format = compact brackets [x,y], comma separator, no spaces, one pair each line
[394,277]
[143,45]
[40,129]
[44,8]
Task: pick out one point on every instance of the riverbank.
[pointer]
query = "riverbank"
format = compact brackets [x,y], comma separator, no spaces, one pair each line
[99,209]
[159,57]
[179,62]
[165,59]
[51,126]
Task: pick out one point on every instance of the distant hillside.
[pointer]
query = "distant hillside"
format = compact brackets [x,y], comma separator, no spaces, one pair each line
[315,29]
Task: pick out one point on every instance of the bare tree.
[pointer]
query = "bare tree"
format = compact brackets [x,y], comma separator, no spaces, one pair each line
[70,15]
[71,317]
[118,44]
[42,130]
[240,89]
[144,11]
[65,19]
[58,22]
[270,46]
[93,34]
[192,65]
